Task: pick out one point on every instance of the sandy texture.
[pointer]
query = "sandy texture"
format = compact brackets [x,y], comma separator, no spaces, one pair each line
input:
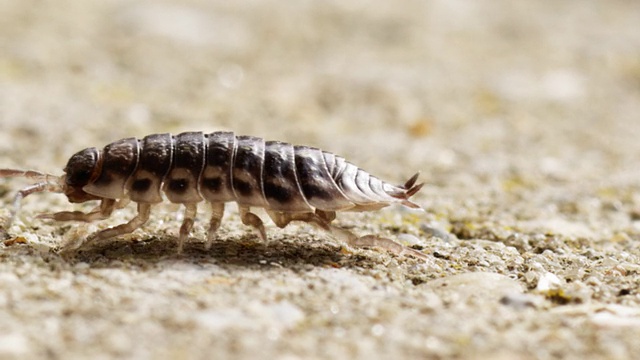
[524,120]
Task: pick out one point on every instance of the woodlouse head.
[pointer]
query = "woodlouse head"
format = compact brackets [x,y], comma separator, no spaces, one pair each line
[82,168]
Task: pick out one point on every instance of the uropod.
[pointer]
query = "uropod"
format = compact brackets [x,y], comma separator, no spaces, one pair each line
[292,183]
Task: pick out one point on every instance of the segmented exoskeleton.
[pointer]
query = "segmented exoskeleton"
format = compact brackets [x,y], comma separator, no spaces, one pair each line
[293,183]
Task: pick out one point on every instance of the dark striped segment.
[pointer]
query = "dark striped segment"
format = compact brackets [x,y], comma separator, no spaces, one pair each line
[246,171]
[181,184]
[318,187]
[215,181]
[119,160]
[279,179]
[156,155]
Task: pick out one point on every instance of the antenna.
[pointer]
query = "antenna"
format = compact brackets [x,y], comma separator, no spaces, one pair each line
[46,183]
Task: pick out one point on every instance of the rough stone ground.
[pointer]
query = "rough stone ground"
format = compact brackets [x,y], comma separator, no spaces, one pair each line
[522,116]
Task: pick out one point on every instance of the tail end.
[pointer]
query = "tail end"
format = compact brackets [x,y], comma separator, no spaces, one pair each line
[407,190]
[411,187]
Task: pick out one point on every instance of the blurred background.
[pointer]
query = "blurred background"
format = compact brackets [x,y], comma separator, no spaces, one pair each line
[427,84]
[523,116]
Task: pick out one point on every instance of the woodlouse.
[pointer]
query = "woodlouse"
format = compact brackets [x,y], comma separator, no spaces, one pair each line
[292,183]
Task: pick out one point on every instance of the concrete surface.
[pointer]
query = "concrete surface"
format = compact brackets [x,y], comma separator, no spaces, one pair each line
[522,117]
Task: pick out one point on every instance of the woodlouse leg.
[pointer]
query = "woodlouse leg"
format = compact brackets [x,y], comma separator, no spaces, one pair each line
[328,216]
[376,241]
[367,240]
[217,211]
[144,210]
[122,203]
[101,212]
[251,219]
[323,220]
[189,218]
[282,219]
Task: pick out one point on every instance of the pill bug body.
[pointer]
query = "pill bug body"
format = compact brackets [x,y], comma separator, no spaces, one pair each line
[293,183]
